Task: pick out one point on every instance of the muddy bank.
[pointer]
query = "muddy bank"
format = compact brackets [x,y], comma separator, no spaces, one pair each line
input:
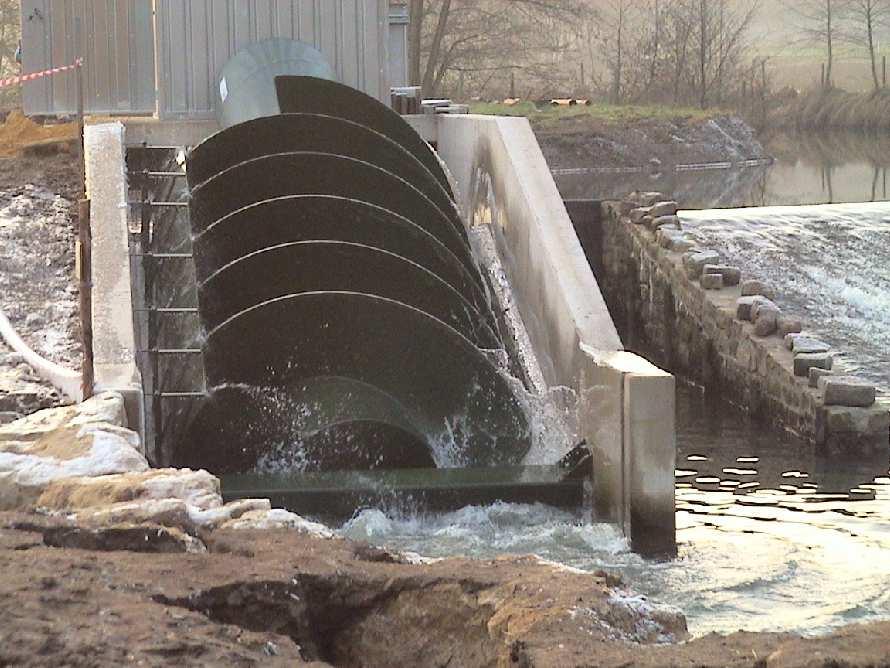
[653,144]
[38,287]
[285,598]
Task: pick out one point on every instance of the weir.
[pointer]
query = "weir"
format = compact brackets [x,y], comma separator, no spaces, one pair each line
[332,313]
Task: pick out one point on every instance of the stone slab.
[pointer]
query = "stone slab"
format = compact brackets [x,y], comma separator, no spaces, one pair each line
[847,391]
[806,361]
[711,281]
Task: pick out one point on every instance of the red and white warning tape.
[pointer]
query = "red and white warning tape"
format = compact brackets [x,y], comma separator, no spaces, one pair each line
[14,81]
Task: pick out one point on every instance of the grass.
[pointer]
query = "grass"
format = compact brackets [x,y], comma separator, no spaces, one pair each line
[612,114]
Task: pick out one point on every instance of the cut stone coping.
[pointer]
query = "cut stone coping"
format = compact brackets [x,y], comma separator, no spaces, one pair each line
[65,380]
[665,221]
[660,209]
[695,262]
[803,362]
[745,306]
[846,391]
[806,344]
[711,281]
[816,373]
[731,275]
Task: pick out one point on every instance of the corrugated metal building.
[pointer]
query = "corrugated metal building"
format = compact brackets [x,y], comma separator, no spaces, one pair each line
[164,56]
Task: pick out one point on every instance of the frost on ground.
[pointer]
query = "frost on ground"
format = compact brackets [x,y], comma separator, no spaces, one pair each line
[38,292]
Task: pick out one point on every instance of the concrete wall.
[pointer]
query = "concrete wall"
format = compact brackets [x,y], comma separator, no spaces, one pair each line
[626,405]
[114,340]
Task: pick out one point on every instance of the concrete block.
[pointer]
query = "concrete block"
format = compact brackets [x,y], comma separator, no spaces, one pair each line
[711,281]
[753,287]
[660,209]
[731,275]
[807,344]
[694,263]
[806,361]
[766,323]
[847,391]
[637,215]
[789,325]
[816,373]
[663,221]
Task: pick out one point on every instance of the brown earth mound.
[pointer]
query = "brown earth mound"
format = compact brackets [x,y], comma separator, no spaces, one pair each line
[19,132]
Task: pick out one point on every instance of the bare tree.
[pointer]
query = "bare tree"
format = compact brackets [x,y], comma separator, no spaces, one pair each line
[820,21]
[865,17]
[475,40]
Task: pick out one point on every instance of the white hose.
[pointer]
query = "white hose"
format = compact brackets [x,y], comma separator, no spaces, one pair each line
[65,380]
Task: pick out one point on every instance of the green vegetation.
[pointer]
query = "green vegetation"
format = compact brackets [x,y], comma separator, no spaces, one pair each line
[611,114]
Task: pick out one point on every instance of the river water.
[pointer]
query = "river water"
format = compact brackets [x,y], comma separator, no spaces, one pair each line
[772,537]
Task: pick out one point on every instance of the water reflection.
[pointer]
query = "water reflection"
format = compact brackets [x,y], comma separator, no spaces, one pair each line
[809,168]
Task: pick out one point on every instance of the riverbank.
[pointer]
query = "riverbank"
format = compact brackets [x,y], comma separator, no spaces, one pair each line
[654,138]
[834,108]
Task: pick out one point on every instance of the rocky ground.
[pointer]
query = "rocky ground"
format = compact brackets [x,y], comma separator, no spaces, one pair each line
[38,290]
[655,144]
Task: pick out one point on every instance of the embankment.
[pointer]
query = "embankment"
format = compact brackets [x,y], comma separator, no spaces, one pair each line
[835,109]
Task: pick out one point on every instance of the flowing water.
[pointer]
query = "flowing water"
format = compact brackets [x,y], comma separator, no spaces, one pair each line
[772,537]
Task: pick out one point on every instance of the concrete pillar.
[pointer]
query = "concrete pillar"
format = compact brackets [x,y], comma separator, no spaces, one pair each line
[114,341]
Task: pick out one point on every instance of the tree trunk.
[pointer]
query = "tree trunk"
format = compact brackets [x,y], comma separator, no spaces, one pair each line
[703,53]
[415,32]
[829,34]
[430,80]
[871,47]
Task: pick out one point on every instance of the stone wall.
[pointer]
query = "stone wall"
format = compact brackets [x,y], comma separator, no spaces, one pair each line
[697,318]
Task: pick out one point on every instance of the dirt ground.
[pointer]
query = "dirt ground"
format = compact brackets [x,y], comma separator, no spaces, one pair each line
[282,598]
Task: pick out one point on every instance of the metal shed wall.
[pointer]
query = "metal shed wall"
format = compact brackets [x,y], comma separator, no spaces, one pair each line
[195,38]
[118,49]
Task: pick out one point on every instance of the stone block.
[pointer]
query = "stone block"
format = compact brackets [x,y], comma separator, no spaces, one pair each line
[637,215]
[660,209]
[694,263]
[665,221]
[762,304]
[847,391]
[681,244]
[731,275]
[806,361]
[744,306]
[847,419]
[816,373]
[647,198]
[789,339]
[807,344]
[753,287]
[766,323]
[711,281]
[789,325]
[664,236]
